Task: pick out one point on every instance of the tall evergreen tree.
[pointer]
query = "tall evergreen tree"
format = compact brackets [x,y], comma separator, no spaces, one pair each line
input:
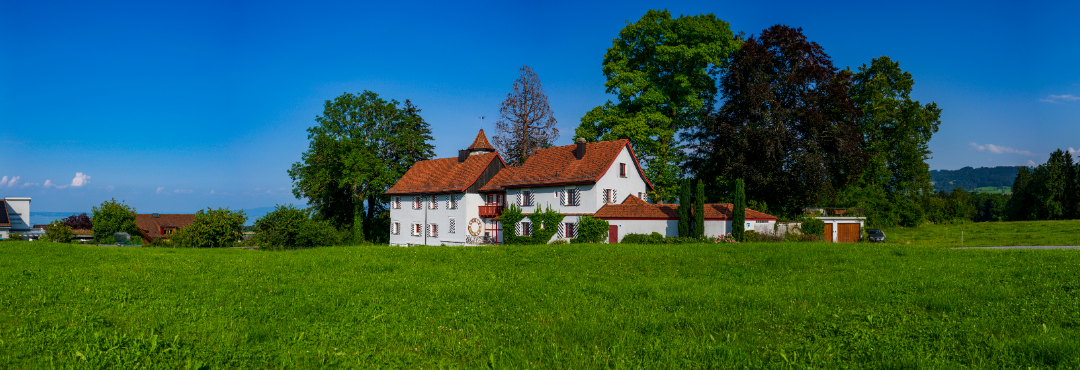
[685,204]
[738,211]
[1019,206]
[699,210]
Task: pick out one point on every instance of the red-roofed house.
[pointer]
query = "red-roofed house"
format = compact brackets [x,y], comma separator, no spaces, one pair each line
[457,201]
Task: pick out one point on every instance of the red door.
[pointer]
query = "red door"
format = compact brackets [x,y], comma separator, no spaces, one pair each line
[613,234]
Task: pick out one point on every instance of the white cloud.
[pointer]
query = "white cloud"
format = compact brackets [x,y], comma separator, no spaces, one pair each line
[160,189]
[1060,98]
[80,180]
[1073,151]
[211,191]
[1032,163]
[999,149]
[10,183]
[182,191]
[28,184]
[49,183]
[110,188]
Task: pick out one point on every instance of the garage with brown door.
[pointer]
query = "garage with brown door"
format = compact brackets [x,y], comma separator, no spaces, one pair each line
[848,233]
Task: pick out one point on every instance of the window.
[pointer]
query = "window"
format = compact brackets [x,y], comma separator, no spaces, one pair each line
[570,197]
[417,203]
[622,169]
[526,229]
[525,198]
[453,225]
[395,203]
[452,204]
[434,202]
[433,230]
[568,230]
[416,229]
[610,196]
[395,228]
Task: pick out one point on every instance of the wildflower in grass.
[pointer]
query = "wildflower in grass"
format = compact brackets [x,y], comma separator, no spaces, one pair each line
[726,238]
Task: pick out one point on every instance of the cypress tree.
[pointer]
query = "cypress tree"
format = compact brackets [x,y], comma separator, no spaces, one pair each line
[699,210]
[738,211]
[684,209]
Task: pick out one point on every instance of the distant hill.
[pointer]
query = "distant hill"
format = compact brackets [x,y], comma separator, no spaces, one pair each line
[971,179]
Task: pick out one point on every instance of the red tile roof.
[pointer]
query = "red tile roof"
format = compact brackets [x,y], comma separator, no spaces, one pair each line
[151,227]
[558,165]
[443,175]
[633,207]
[481,142]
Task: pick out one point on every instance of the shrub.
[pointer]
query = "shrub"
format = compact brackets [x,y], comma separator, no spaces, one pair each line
[79,222]
[290,227]
[591,230]
[654,238]
[545,225]
[112,217]
[58,232]
[13,237]
[212,229]
[813,226]
[727,238]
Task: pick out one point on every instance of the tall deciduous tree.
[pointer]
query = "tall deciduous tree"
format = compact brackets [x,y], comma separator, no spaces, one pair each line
[361,146]
[787,126]
[525,120]
[738,211]
[663,71]
[896,132]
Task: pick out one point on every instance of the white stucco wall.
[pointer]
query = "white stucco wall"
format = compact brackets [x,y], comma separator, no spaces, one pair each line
[406,216]
[632,184]
[18,213]
[664,227]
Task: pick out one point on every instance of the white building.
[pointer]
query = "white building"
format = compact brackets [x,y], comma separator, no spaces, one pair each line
[457,201]
[15,217]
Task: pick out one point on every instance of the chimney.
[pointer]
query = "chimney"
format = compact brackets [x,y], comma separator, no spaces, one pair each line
[579,153]
[462,155]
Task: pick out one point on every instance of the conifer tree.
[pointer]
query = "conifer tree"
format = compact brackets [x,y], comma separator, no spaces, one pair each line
[685,203]
[738,211]
[699,210]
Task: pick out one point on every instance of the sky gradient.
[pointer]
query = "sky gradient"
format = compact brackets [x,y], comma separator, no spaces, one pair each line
[182,106]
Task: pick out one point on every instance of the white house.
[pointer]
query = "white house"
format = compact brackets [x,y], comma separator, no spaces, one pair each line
[15,215]
[458,201]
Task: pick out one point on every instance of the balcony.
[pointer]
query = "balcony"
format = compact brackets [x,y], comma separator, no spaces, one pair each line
[491,210]
[834,212]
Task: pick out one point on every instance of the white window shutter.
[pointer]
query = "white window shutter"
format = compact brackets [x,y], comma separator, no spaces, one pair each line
[517,229]
[532,198]
[518,201]
[574,234]
[562,231]
[614,196]
[562,197]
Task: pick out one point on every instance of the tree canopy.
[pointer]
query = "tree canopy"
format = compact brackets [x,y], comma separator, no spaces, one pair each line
[787,126]
[526,121]
[663,71]
[361,146]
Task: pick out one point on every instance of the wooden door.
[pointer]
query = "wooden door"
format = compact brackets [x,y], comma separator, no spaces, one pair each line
[848,233]
[613,234]
[828,232]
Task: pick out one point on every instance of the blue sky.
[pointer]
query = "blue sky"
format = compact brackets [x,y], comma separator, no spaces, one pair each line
[177,107]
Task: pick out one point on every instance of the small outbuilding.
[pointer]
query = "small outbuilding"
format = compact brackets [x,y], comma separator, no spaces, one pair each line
[635,216]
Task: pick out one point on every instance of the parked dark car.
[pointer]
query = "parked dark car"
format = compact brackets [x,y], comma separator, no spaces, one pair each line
[875,235]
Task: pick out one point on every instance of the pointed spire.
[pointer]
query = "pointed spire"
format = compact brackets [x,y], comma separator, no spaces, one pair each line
[481,143]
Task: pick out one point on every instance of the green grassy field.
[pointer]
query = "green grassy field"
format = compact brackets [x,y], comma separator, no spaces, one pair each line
[807,305]
[994,189]
[988,234]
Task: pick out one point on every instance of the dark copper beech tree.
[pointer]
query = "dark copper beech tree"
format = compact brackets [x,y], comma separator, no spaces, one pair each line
[525,120]
[787,126]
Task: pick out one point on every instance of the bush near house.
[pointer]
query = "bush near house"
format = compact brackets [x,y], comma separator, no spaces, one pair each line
[58,232]
[212,228]
[544,225]
[112,217]
[591,230]
[288,227]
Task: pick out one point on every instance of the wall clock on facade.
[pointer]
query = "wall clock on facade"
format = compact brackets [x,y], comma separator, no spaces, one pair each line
[475,227]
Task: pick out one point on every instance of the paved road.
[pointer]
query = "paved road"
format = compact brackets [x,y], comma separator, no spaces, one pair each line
[1028,247]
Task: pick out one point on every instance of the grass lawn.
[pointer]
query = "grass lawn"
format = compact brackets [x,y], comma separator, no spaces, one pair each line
[988,234]
[995,189]
[808,305]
